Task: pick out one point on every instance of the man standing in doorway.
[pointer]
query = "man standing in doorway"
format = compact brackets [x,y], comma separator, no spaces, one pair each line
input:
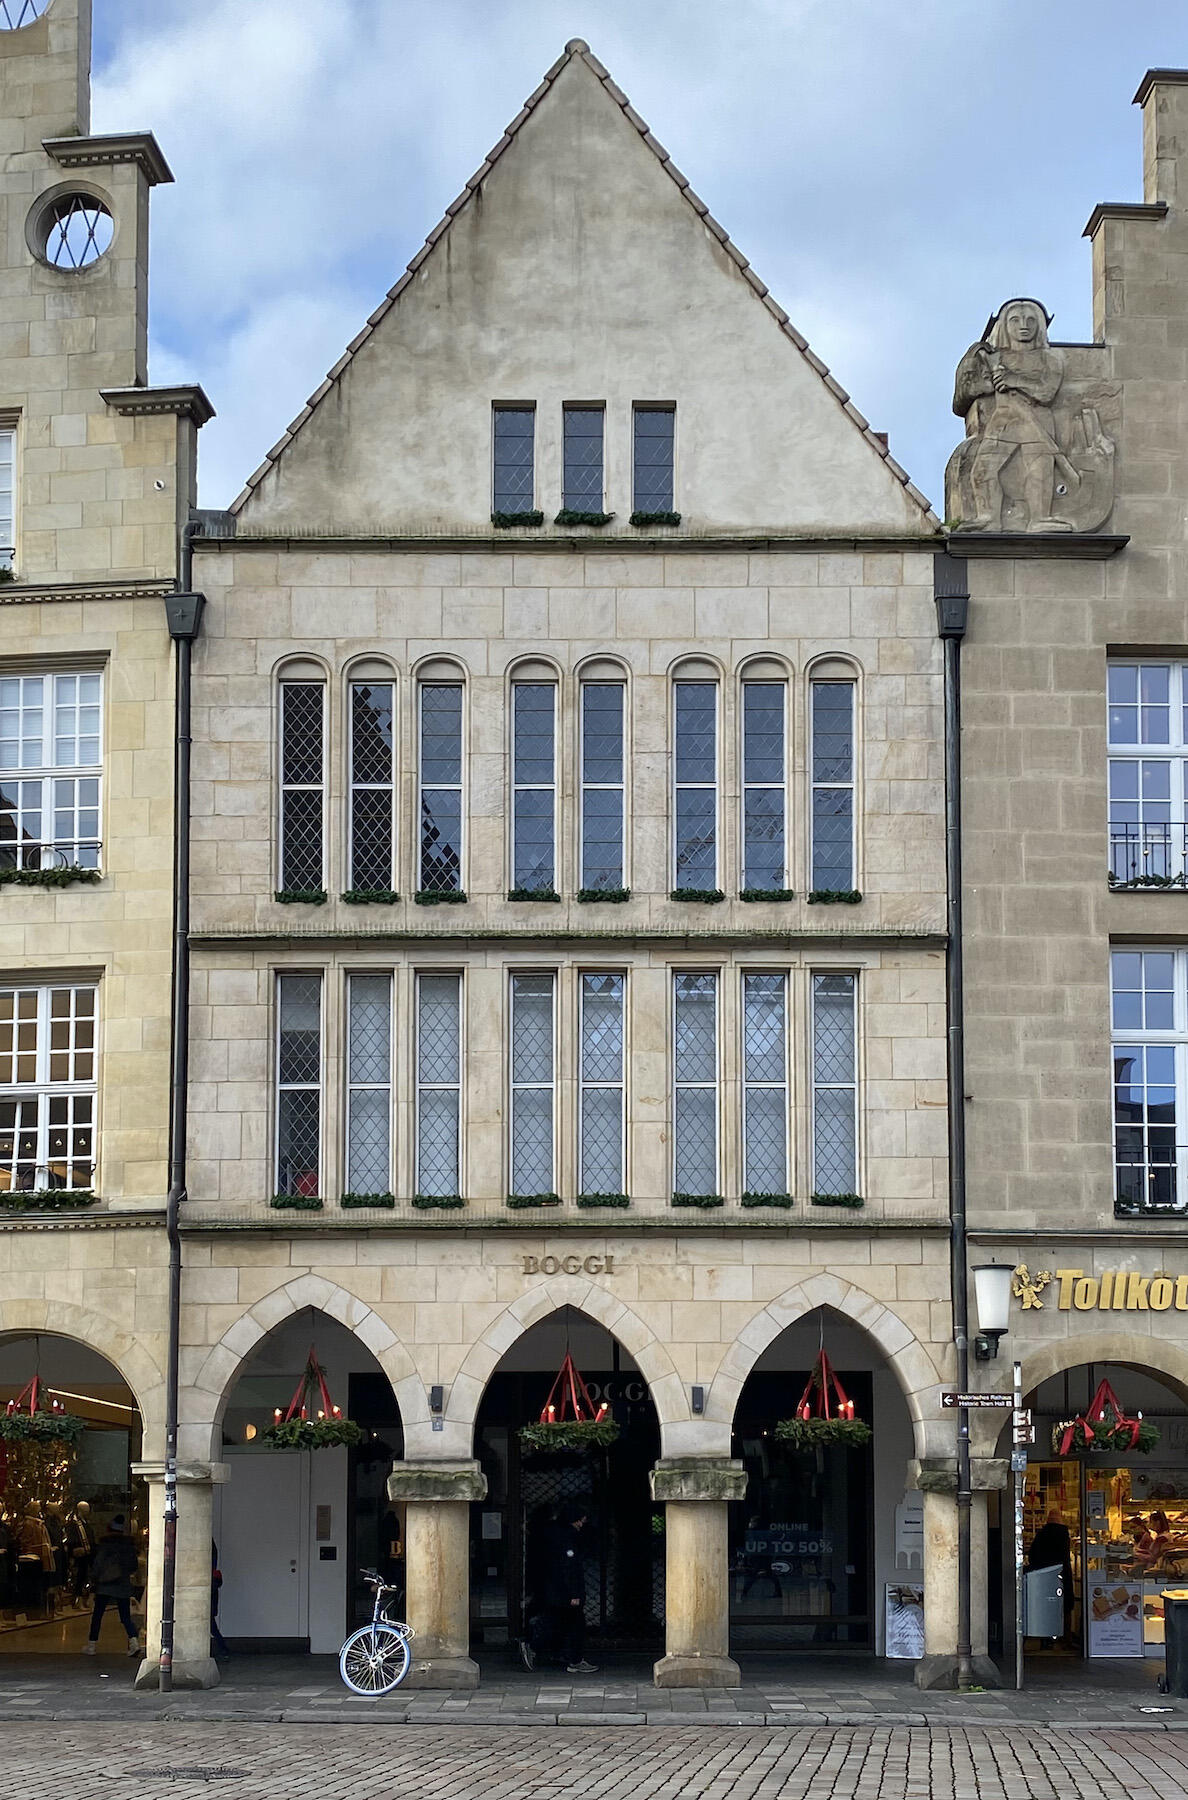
[563,1580]
[80,1549]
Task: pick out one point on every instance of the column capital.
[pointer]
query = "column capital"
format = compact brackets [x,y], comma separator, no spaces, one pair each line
[938,1474]
[698,1478]
[437,1481]
[190,1472]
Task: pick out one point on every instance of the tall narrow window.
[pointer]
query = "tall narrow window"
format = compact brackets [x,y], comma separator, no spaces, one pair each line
[7,496]
[765,1084]
[51,751]
[47,1087]
[695,1078]
[764,785]
[534,774]
[602,1064]
[1150,1025]
[514,431]
[441,787]
[532,1083]
[1148,757]
[299,1085]
[582,485]
[833,785]
[602,785]
[654,440]
[303,755]
[695,766]
[369,1084]
[439,1068]
[835,1085]
[373,778]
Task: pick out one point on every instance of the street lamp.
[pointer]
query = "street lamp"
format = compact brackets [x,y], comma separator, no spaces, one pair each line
[992,1297]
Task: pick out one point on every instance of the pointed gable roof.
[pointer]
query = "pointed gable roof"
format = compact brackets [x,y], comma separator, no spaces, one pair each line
[578,50]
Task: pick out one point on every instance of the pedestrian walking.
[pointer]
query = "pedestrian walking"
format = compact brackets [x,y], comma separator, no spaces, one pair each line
[563,1587]
[113,1578]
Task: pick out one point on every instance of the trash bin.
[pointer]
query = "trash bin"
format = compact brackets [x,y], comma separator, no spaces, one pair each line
[1043,1602]
[1175,1641]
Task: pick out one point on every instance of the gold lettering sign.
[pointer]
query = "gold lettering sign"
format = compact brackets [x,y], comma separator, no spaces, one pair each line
[569,1265]
[1114,1290]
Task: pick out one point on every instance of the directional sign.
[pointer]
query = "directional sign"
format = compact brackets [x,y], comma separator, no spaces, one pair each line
[975,1400]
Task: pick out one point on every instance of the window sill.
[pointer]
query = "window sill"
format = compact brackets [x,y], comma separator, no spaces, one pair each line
[49,1200]
[301,896]
[297,1202]
[853,1201]
[50,878]
[642,520]
[1151,884]
[773,895]
[519,1202]
[594,1200]
[370,897]
[438,1202]
[705,1201]
[549,895]
[505,521]
[834,897]
[572,516]
[698,896]
[784,1200]
[425,897]
[609,896]
[350,1201]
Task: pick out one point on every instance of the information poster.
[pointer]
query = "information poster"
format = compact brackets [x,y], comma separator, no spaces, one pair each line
[905,1622]
[1116,1619]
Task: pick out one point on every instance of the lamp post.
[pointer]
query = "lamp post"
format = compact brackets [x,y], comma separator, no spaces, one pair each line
[992,1300]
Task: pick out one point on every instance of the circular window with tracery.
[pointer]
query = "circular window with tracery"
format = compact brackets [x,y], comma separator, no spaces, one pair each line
[75,230]
[15,13]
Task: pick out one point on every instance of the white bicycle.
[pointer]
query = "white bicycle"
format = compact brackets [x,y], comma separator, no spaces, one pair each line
[376,1658]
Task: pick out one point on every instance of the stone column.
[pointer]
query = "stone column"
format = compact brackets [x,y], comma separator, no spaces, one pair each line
[193,1664]
[937,1480]
[437,1498]
[695,1492]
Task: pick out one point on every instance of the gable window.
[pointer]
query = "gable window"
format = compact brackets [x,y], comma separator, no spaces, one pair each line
[513,442]
[369,1084]
[653,461]
[695,796]
[439,1085]
[51,753]
[1148,758]
[534,776]
[832,725]
[533,1068]
[765,803]
[835,1084]
[765,1084]
[373,773]
[1150,1032]
[7,495]
[582,481]
[302,758]
[601,1161]
[602,721]
[441,787]
[299,1085]
[695,1083]
[47,1087]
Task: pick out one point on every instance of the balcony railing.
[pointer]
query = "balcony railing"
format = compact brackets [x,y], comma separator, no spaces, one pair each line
[1154,855]
[65,853]
[1146,1189]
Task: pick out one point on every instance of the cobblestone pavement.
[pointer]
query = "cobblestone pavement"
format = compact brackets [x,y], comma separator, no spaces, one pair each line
[347,1762]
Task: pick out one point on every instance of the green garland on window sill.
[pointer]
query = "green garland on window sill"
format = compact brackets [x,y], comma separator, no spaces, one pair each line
[6,576]
[505,521]
[517,1202]
[834,897]
[311,1434]
[1147,881]
[655,518]
[706,1201]
[438,1202]
[569,1434]
[48,1200]
[701,896]
[429,897]
[823,1434]
[297,1202]
[370,897]
[301,896]
[613,896]
[767,893]
[49,878]
[351,1200]
[851,1200]
[768,1200]
[570,515]
[41,1428]
[604,1199]
[549,894]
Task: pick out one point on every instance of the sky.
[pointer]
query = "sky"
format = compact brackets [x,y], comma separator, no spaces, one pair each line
[894,169]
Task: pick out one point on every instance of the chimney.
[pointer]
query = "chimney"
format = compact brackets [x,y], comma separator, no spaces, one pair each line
[1163,96]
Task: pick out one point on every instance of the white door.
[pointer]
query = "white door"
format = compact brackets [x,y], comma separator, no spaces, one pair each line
[263,1544]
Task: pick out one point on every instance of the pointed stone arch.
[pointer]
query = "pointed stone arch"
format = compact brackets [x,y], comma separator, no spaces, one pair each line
[1163,1359]
[204,1398]
[124,1350]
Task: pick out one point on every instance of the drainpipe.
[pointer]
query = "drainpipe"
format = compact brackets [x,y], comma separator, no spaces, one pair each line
[951,592]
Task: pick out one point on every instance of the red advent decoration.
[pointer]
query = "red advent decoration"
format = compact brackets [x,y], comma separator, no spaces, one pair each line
[304,1394]
[1104,1426]
[33,1399]
[822,1391]
[569,1399]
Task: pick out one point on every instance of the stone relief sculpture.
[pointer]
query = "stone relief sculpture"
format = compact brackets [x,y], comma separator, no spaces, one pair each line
[1036,455]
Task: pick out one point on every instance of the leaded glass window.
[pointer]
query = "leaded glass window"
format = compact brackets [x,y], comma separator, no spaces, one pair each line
[765,1084]
[51,768]
[534,774]
[48,1052]
[369,1084]
[765,804]
[603,715]
[835,1085]
[695,797]
[601,1123]
[653,462]
[833,785]
[439,1065]
[533,1065]
[373,779]
[299,1085]
[514,430]
[441,787]
[302,758]
[582,485]
[695,1083]
[1150,1032]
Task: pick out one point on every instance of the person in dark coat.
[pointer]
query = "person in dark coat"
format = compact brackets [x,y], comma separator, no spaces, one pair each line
[1051,1547]
[563,1587]
[80,1548]
[113,1579]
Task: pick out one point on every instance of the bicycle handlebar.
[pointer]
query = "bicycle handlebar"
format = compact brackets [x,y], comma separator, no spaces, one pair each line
[374,1579]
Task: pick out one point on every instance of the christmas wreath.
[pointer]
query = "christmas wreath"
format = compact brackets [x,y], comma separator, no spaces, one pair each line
[569,1419]
[296,1430]
[1104,1426]
[824,1416]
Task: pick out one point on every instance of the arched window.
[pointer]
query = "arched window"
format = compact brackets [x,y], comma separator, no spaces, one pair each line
[302,779]
[441,693]
[832,760]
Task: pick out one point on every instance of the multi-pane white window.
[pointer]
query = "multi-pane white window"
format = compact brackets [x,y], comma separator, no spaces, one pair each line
[534,785]
[7,495]
[1150,1053]
[51,751]
[695,785]
[764,790]
[695,1083]
[439,1085]
[299,1085]
[47,1087]
[440,775]
[765,1084]
[531,1156]
[602,755]
[602,1118]
[832,757]
[835,1084]
[373,786]
[369,1084]
[302,765]
[1148,757]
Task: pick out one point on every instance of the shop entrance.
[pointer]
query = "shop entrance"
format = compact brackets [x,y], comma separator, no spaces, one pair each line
[59,1494]
[526,1491]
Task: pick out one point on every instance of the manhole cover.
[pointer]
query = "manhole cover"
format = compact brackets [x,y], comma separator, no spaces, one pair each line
[184,1774]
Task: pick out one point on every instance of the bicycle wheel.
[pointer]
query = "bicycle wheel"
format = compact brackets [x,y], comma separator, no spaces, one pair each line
[374,1660]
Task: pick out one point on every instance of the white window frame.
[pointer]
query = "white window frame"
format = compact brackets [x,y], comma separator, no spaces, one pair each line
[745,785]
[1174,1038]
[44,1089]
[1150,851]
[287,787]
[286,1087]
[440,787]
[715,974]
[52,788]
[854,1086]
[713,787]
[516,1087]
[519,787]
[355,1086]
[8,494]
[748,1085]
[586,1085]
[602,787]
[358,787]
[420,1087]
[822,786]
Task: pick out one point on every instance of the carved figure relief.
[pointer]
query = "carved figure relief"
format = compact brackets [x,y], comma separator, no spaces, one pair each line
[1037,455]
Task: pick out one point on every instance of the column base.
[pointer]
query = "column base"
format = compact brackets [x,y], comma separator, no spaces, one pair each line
[442,1672]
[696,1672]
[941,1672]
[203,1672]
